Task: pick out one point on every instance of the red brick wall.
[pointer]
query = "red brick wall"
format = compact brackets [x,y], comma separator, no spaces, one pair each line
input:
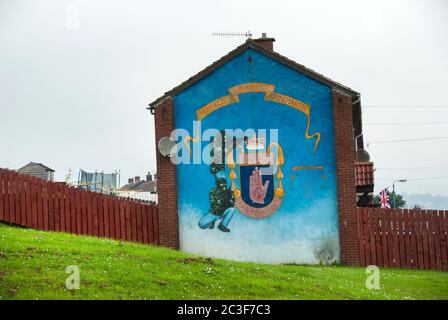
[166,179]
[345,176]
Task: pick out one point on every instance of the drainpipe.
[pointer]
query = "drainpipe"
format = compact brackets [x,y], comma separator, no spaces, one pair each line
[358,136]
[356,141]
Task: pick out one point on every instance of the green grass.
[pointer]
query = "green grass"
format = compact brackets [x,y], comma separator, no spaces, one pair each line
[33,263]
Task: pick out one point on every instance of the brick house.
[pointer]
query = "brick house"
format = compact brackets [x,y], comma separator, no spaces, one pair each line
[307,213]
[37,170]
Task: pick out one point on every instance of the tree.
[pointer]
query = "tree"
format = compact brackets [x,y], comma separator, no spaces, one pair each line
[393,198]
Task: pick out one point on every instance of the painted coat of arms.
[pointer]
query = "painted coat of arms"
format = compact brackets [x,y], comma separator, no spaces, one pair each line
[260,190]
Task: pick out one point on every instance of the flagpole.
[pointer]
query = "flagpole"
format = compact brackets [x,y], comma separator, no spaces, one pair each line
[393,191]
[393,188]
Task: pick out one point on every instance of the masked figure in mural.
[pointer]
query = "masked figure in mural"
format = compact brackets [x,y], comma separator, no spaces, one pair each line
[221,198]
[221,207]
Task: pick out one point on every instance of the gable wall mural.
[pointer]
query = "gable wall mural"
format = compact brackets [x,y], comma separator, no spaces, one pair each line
[274,199]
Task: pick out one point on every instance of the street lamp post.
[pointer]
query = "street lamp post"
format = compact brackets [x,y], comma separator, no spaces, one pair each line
[393,188]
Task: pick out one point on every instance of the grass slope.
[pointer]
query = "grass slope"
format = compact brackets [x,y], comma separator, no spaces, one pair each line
[33,263]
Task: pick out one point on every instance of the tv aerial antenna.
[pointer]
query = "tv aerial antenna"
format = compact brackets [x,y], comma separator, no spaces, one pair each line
[246,34]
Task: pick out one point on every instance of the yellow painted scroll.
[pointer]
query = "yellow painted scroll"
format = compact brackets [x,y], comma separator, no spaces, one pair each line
[270,95]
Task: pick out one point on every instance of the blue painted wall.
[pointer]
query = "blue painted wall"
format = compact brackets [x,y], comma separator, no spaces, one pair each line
[305,228]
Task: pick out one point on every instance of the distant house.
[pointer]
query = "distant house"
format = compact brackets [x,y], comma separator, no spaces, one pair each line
[37,170]
[141,189]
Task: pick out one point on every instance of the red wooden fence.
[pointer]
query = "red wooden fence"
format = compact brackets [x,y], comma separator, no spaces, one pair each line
[53,206]
[403,238]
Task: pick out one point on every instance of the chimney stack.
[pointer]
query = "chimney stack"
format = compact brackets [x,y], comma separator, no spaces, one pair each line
[130,180]
[149,176]
[137,179]
[265,42]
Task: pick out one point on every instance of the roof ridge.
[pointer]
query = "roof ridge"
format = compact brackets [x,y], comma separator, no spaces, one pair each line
[251,43]
[39,164]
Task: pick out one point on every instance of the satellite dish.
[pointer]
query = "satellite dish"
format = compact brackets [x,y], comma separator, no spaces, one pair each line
[165,146]
[362,155]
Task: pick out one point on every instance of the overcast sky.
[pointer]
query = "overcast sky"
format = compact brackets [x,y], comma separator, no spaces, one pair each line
[73,91]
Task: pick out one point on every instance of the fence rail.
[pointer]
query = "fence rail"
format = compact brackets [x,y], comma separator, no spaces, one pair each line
[55,206]
[403,238]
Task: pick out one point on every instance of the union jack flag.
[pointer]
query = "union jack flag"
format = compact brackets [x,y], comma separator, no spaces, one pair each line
[384,199]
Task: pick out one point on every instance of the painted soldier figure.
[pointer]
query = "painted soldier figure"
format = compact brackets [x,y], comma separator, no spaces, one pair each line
[222,204]
[221,198]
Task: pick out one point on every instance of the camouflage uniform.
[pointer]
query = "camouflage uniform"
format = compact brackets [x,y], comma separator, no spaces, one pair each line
[221,207]
[221,198]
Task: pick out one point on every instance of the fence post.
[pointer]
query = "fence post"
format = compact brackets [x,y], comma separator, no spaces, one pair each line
[435,219]
[444,238]
[2,192]
[23,220]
